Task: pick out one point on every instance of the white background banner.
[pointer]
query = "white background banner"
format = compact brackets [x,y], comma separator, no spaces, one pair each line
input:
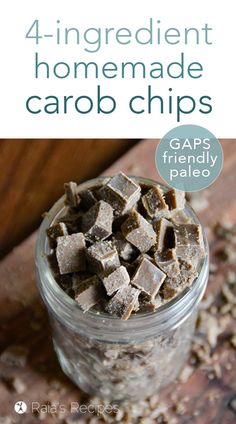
[59,59]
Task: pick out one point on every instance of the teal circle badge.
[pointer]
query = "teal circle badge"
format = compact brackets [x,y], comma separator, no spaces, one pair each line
[189,158]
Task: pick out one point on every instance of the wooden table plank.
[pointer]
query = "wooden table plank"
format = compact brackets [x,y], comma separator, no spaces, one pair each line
[33,173]
[23,320]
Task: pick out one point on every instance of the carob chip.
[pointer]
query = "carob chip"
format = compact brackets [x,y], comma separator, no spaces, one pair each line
[123,302]
[140,257]
[167,261]
[149,305]
[72,197]
[164,234]
[56,231]
[154,203]
[89,293]
[78,279]
[116,280]
[121,193]
[97,222]
[176,283]
[189,241]
[175,199]
[126,251]
[148,278]
[139,232]
[70,253]
[102,257]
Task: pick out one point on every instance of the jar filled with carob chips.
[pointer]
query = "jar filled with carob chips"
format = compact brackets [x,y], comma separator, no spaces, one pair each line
[122,263]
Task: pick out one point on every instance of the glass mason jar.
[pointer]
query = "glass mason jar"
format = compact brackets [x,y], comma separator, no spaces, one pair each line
[105,356]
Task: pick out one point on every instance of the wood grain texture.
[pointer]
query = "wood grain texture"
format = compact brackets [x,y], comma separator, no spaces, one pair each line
[21,310]
[33,173]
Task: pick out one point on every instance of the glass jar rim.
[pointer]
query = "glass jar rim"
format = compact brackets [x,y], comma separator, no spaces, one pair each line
[104,326]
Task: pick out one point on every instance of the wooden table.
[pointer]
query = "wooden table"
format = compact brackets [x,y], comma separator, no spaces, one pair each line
[33,173]
[23,320]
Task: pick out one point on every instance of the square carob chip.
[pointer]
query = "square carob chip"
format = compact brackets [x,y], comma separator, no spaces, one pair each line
[123,302]
[121,192]
[148,278]
[97,222]
[102,257]
[70,253]
[138,231]
[116,280]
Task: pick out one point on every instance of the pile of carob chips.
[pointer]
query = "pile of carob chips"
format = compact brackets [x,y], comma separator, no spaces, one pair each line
[123,248]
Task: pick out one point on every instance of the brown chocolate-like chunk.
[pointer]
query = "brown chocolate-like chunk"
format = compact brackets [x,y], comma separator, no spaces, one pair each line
[121,193]
[97,222]
[140,257]
[78,278]
[102,257]
[148,278]
[149,305]
[167,261]
[123,302]
[70,253]
[116,280]
[87,199]
[189,241]
[72,197]
[125,249]
[139,232]
[175,284]
[73,221]
[175,199]
[154,203]
[56,231]
[164,234]
[89,293]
